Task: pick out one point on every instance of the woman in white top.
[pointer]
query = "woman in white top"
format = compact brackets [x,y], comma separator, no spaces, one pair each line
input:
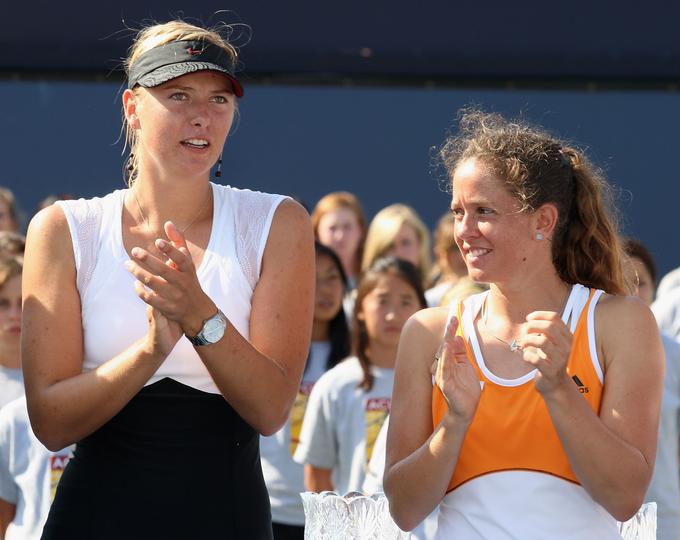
[541,418]
[167,325]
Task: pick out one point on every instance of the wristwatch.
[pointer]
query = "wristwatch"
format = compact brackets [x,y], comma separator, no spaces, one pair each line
[212,331]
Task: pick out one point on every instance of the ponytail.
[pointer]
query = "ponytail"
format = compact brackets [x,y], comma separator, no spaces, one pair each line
[588,249]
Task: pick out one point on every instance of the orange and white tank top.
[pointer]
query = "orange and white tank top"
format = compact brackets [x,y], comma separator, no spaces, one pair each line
[513,479]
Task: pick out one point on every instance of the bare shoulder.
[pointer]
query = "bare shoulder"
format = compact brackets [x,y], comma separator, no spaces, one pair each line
[291,216]
[429,321]
[49,221]
[618,314]
[423,333]
[48,239]
[626,329]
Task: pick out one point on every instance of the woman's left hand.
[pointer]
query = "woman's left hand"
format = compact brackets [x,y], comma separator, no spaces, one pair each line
[171,286]
[546,345]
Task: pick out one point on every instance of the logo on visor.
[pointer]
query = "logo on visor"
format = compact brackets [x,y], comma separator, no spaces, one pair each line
[194,52]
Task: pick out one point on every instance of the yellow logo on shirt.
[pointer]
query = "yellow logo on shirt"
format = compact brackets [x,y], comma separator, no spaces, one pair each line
[57,466]
[377,410]
[297,414]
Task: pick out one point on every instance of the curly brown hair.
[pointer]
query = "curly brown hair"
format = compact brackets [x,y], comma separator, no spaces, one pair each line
[537,169]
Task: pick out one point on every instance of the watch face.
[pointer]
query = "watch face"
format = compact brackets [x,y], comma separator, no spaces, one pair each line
[213,330]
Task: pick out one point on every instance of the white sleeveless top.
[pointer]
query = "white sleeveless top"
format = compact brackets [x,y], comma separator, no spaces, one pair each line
[113,316]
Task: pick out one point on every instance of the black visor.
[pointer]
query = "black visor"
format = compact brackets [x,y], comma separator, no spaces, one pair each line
[177,58]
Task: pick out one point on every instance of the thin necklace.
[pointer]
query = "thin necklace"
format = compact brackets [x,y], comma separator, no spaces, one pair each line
[513,345]
[185,229]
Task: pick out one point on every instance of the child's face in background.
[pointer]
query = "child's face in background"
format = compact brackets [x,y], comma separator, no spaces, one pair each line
[10,315]
[329,289]
[386,308]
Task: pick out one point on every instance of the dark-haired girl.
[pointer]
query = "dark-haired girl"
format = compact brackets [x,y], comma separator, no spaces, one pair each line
[541,418]
[330,344]
[349,403]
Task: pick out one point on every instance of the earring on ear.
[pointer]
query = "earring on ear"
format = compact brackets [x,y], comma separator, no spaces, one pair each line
[218,172]
[539,236]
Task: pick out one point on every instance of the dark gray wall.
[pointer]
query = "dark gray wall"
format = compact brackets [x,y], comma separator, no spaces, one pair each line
[377,142]
[530,39]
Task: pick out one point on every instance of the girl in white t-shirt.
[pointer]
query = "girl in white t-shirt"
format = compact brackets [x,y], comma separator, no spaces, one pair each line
[330,344]
[349,403]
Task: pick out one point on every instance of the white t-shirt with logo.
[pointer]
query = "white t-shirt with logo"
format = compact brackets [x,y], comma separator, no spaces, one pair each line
[342,422]
[29,472]
[11,384]
[283,476]
[664,488]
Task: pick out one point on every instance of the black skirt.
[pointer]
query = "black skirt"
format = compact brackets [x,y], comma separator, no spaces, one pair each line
[174,463]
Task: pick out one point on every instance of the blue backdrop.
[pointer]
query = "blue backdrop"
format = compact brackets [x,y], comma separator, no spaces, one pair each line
[377,142]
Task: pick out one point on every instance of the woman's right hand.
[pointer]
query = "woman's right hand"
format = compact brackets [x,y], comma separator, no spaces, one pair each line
[163,333]
[455,376]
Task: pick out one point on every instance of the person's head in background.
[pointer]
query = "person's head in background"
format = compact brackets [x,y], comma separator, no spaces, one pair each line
[339,223]
[398,231]
[51,199]
[10,311]
[9,214]
[12,244]
[449,263]
[640,270]
[330,323]
[389,292]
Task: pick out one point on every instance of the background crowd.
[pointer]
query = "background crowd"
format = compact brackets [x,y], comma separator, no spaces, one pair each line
[371,276]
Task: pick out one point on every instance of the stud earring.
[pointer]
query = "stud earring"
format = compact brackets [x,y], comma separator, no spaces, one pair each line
[218,172]
[539,236]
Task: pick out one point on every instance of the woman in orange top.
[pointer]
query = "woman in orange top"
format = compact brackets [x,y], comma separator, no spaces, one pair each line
[538,417]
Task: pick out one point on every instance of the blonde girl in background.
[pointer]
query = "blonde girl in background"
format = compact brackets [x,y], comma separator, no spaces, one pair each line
[349,403]
[398,231]
[330,344]
[449,268]
[339,223]
[172,327]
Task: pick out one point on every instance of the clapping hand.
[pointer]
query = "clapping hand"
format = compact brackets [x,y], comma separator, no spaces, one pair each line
[546,345]
[170,288]
[456,377]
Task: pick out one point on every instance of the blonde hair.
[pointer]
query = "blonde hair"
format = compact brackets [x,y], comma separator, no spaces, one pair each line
[335,201]
[7,197]
[385,227]
[159,34]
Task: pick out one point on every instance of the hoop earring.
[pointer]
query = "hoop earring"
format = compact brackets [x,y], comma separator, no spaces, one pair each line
[539,236]
[218,172]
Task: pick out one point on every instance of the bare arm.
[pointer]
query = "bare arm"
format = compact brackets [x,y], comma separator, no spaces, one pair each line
[317,479]
[65,404]
[420,461]
[612,455]
[260,377]
[7,513]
